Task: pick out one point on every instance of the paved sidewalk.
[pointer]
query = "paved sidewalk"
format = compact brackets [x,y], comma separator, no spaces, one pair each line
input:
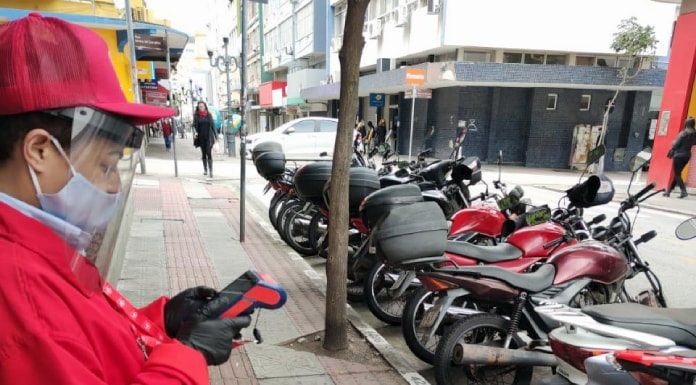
[185,233]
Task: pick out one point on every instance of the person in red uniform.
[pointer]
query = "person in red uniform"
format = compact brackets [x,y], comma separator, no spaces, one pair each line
[65,128]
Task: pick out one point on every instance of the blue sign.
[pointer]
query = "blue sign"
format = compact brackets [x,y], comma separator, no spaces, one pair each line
[377,100]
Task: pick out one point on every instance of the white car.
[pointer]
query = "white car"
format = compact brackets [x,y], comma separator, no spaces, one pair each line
[300,138]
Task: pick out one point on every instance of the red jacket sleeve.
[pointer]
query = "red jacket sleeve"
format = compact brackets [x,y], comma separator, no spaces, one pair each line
[41,359]
[154,311]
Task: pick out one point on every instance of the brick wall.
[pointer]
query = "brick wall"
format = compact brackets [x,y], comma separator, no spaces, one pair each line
[516,121]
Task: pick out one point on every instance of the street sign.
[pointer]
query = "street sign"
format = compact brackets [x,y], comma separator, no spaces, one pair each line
[376,100]
[415,77]
[421,93]
[149,44]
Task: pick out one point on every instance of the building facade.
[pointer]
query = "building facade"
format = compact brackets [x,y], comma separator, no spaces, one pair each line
[518,84]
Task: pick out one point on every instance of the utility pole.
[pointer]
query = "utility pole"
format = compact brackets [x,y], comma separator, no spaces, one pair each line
[227,61]
[171,99]
[134,73]
[243,112]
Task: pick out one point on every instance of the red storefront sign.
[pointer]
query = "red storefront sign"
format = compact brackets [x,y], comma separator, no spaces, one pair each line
[271,94]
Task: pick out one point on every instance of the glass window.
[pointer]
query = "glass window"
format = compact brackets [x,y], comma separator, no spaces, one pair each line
[328,126]
[305,21]
[285,31]
[512,57]
[475,57]
[551,100]
[534,58]
[585,101]
[555,59]
[606,61]
[339,19]
[584,61]
[304,126]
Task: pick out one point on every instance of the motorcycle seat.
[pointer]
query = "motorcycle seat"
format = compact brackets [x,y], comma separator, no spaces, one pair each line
[491,254]
[679,325]
[534,282]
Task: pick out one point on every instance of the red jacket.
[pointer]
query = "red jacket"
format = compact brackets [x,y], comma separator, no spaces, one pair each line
[166,129]
[54,332]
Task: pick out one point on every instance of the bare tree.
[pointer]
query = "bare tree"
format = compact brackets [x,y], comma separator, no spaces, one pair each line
[336,337]
[636,43]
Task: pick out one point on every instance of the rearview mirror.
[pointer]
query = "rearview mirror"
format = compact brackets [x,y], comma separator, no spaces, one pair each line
[686,230]
[641,159]
[289,131]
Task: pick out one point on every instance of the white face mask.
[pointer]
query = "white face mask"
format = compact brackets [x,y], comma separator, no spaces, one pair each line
[79,202]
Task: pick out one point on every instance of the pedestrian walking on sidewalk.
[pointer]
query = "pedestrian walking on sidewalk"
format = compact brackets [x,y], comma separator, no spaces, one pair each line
[65,125]
[680,154]
[204,131]
[381,131]
[369,138]
[167,133]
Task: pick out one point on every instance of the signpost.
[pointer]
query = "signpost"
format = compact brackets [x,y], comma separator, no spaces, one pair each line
[414,77]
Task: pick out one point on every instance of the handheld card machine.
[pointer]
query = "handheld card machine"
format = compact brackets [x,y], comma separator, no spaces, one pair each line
[251,291]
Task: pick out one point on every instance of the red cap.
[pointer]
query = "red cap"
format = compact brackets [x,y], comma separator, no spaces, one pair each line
[47,63]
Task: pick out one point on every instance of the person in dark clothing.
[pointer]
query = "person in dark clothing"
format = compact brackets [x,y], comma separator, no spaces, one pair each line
[204,127]
[680,154]
[381,131]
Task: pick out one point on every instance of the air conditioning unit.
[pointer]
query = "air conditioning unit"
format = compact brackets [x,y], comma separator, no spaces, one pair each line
[336,43]
[401,16]
[375,29]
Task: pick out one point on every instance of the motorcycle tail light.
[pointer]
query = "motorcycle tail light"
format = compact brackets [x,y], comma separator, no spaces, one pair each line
[435,285]
[574,355]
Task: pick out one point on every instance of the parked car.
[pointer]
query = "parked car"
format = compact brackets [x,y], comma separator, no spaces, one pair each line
[304,137]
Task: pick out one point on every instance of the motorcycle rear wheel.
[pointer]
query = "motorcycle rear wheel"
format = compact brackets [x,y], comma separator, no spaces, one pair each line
[381,303]
[480,329]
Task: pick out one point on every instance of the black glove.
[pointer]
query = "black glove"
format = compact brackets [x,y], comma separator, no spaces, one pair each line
[213,338]
[180,308]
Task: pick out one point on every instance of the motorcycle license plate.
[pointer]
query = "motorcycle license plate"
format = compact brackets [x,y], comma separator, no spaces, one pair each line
[429,317]
[268,187]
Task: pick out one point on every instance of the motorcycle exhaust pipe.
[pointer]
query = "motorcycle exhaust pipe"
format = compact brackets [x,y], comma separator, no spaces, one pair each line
[465,354]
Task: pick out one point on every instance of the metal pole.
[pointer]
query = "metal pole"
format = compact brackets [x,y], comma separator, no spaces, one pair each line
[243,111]
[169,94]
[134,72]
[413,110]
[230,151]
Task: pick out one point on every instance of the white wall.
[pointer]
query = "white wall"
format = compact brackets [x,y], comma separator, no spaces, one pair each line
[551,25]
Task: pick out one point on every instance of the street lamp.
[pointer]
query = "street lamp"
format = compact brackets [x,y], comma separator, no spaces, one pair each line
[224,63]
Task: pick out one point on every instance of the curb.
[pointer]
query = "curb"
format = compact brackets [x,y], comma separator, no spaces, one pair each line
[646,205]
[392,355]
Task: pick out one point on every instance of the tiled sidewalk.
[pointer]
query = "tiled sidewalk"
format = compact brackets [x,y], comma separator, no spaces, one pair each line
[185,233]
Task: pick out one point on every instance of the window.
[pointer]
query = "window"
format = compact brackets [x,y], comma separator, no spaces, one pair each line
[285,35]
[534,58]
[555,59]
[475,57]
[304,126]
[551,100]
[606,61]
[585,101]
[512,57]
[305,21]
[327,126]
[587,61]
[339,19]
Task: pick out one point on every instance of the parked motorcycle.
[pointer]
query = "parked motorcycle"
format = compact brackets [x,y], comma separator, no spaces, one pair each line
[511,337]
[626,343]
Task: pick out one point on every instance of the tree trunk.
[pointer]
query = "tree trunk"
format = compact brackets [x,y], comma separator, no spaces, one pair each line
[336,337]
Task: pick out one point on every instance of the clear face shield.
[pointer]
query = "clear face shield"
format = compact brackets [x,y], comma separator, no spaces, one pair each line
[103,149]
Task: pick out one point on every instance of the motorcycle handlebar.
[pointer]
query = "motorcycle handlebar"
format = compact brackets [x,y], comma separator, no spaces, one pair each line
[644,191]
